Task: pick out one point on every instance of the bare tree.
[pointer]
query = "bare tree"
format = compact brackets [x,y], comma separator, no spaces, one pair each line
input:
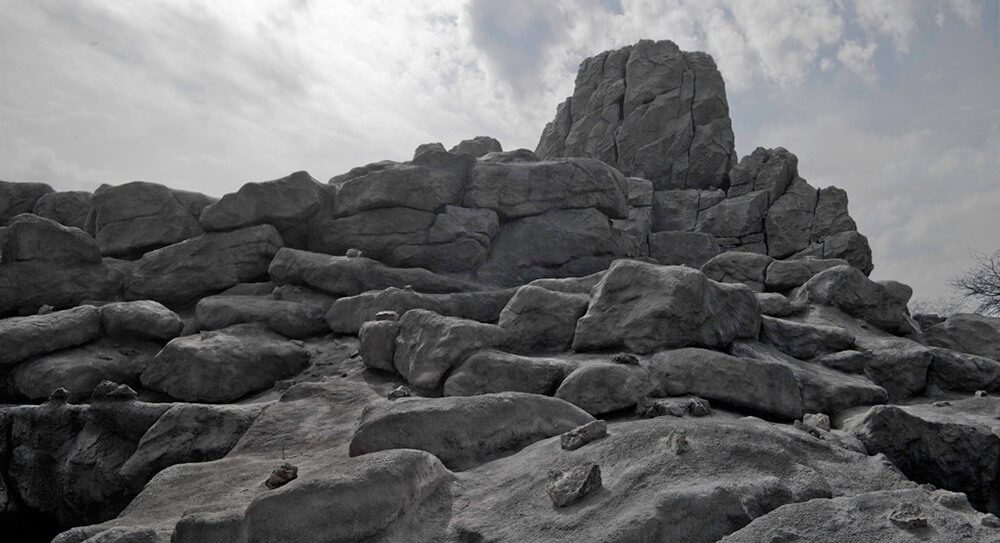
[982,282]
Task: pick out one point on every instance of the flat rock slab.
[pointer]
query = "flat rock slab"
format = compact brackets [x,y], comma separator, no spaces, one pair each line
[967,333]
[464,431]
[22,337]
[140,319]
[882,304]
[222,366]
[290,319]
[346,315]
[490,370]
[805,341]
[33,238]
[282,203]
[605,387]
[538,319]
[953,370]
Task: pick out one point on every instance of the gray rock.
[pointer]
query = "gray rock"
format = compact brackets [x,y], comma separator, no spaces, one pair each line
[761,386]
[691,249]
[186,271]
[17,198]
[818,420]
[831,215]
[849,361]
[377,344]
[538,319]
[602,388]
[360,171]
[477,146]
[769,170]
[521,189]
[640,192]
[110,391]
[33,238]
[571,486]
[290,319]
[570,285]
[850,246]
[410,185]
[773,304]
[967,333]
[66,208]
[144,319]
[78,370]
[376,232]
[749,269]
[429,345]
[490,370]
[882,304]
[464,431]
[222,366]
[805,341]
[953,370]
[343,276]
[674,407]
[735,217]
[784,275]
[789,220]
[137,217]
[27,286]
[23,337]
[679,210]
[193,202]
[346,315]
[427,148]
[578,437]
[639,109]
[645,307]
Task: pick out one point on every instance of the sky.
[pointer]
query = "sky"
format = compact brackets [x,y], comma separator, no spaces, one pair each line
[895,101]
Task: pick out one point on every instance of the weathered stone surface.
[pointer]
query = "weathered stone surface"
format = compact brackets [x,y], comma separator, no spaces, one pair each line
[33,238]
[769,170]
[949,452]
[953,370]
[773,304]
[477,146]
[67,208]
[538,319]
[678,210]
[735,217]
[640,192]
[284,203]
[343,276]
[290,319]
[185,271]
[571,486]
[675,407]
[136,217]
[850,246]
[464,431]
[749,269]
[602,387]
[346,315]
[645,307]
[17,198]
[429,345]
[376,232]
[27,286]
[578,437]
[804,341]
[789,220]
[457,241]
[944,515]
[360,171]
[521,189]
[377,344]
[882,303]
[489,371]
[411,185]
[967,333]
[691,249]
[650,110]
[570,285]
[762,386]
[638,225]
[850,361]
[831,215]
[140,319]
[79,370]
[559,243]
[222,366]
[783,275]
[22,337]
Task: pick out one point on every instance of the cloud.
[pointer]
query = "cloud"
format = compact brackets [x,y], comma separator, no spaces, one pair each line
[859,59]
[897,19]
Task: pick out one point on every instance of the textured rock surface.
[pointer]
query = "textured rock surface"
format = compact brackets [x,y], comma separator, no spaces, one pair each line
[66,208]
[882,303]
[136,217]
[805,341]
[33,238]
[140,319]
[783,275]
[290,319]
[490,370]
[17,198]
[537,319]
[739,267]
[602,388]
[651,111]
[967,333]
[645,307]
[346,315]
[22,337]
[691,249]
[953,370]
[377,344]
[477,146]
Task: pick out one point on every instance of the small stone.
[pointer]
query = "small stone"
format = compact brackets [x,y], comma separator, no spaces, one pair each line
[809,429]
[818,420]
[45,309]
[578,437]
[908,516]
[297,342]
[784,536]
[699,407]
[571,486]
[399,392]
[625,358]
[281,475]
[941,404]
[982,394]
[353,253]
[59,395]
[677,442]
[387,316]
[990,520]
[111,391]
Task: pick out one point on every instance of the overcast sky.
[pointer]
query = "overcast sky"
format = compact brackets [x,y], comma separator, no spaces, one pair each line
[895,101]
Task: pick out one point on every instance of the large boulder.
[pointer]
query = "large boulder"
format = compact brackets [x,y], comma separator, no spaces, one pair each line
[429,345]
[375,232]
[377,344]
[789,219]
[344,276]
[605,387]
[346,315]
[639,109]
[457,241]
[645,307]
[952,370]
[290,319]
[17,198]
[27,286]
[22,337]
[783,275]
[66,208]
[850,246]
[140,319]
[691,249]
[882,303]
[464,430]
[285,203]
[186,271]
[768,170]
[33,238]
[477,146]
[131,219]
[805,341]
[537,319]
[423,185]
[678,210]
[737,221]
[739,267]
[225,365]
[967,333]
[490,370]
[521,189]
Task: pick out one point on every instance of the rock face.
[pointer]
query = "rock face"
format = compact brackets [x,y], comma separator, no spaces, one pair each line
[290,319]
[22,337]
[967,333]
[882,304]
[652,111]
[645,307]
[602,388]
[490,370]
[140,319]
[33,238]
[348,314]
[136,217]
[537,319]
[66,208]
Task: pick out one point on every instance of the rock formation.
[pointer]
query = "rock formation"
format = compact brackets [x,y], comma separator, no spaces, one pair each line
[623,336]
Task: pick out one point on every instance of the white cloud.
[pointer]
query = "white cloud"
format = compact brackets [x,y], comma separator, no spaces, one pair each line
[897,19]
[859,59]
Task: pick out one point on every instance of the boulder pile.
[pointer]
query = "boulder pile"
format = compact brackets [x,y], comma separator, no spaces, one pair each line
[625,335]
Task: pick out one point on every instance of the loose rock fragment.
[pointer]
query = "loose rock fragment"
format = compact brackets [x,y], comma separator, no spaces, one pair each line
[908,516]
[578,437]
[819,420]
[282,475]
[111,391]
[571,486]
[399,392]
[59,395]
[625,358]
[677,442]
[675,407]
[982,394]
[387,316]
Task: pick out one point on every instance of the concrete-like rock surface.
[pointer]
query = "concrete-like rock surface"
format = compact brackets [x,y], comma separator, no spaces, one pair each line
[22,337]
[967,333]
